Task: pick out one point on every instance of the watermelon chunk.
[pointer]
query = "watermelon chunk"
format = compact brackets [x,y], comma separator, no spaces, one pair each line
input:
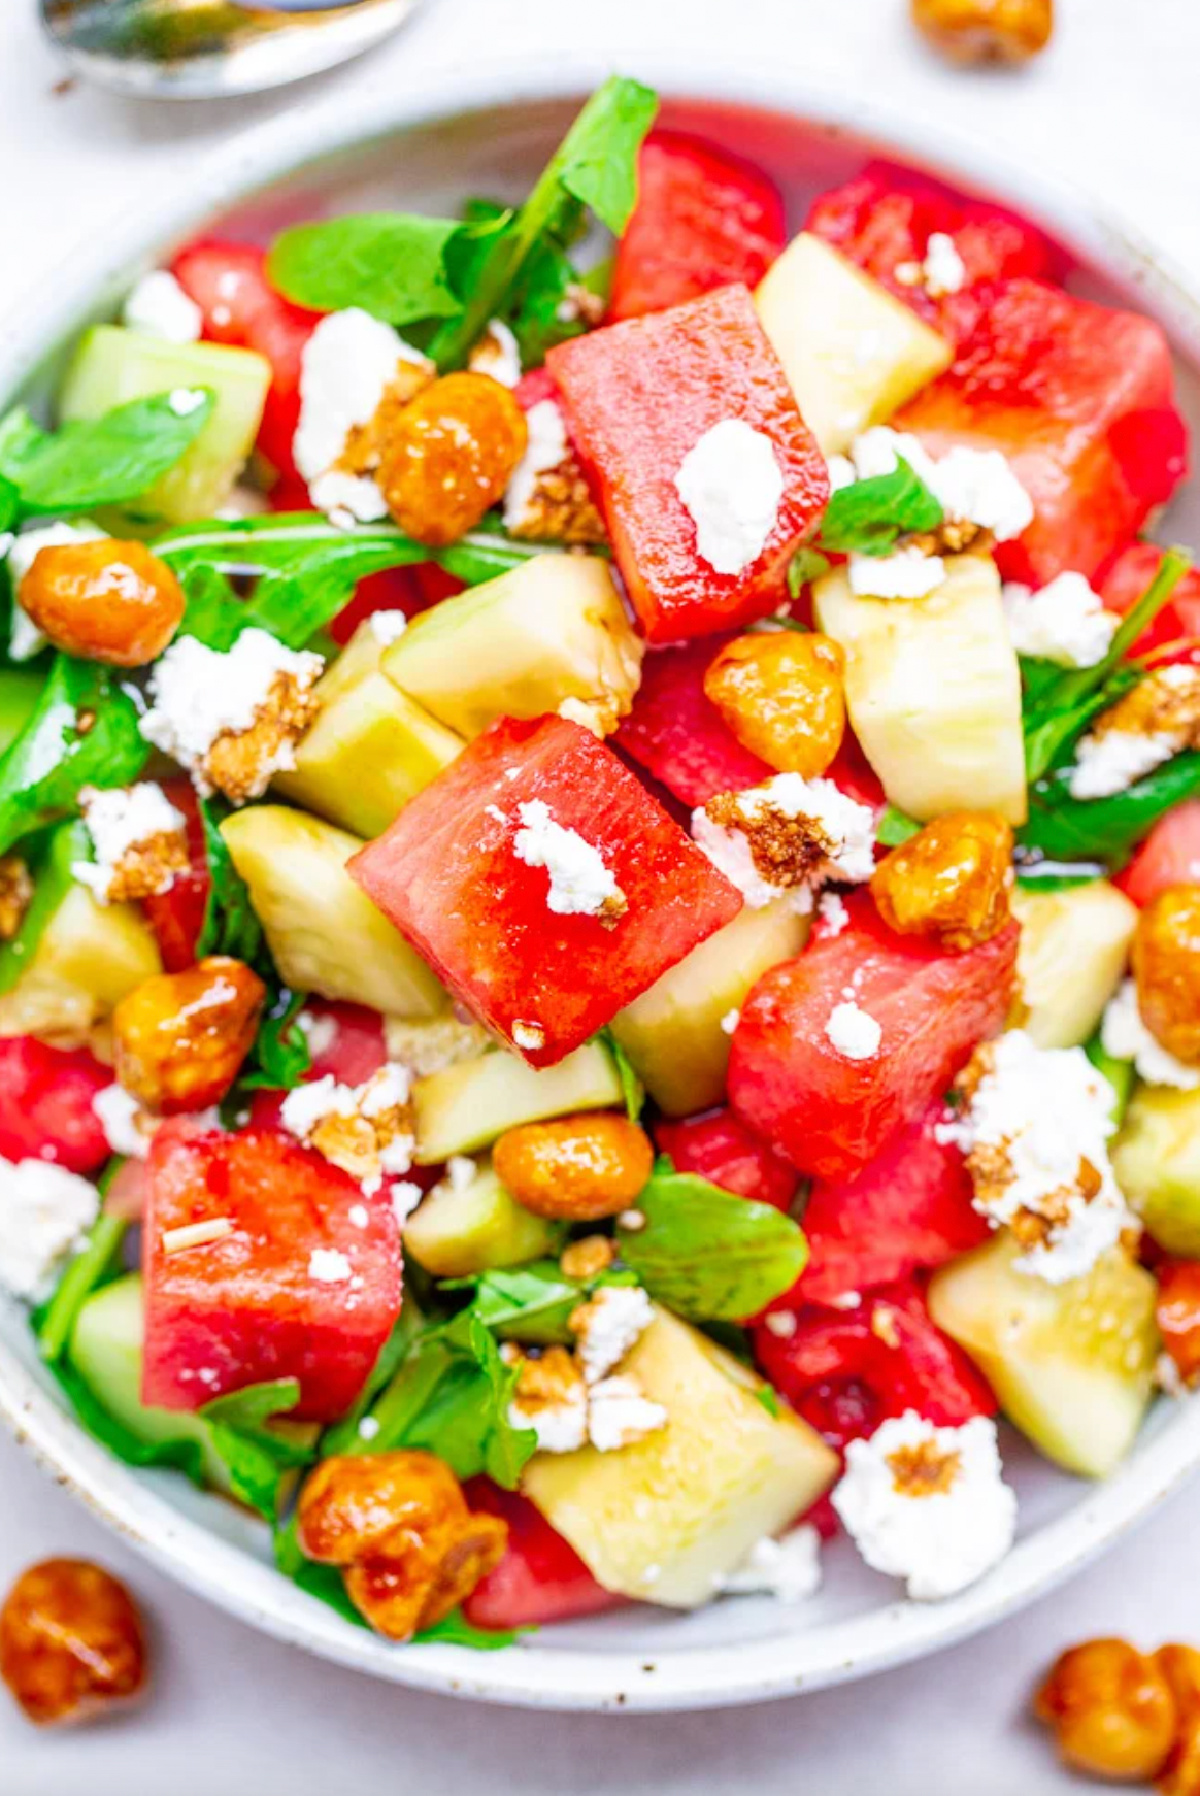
[678,735]
[884,219]
[446,873]
[177,915]
[297,1290]
[722,1150]
[46,1098]
[1079,399]
[703,219]
[348,1042]
[540,1578]
[1175,633]
[638,396]
[1170,856]
[846,1371]
[830,1114]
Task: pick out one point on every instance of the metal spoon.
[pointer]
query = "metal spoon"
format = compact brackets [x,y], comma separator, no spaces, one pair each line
[200,49]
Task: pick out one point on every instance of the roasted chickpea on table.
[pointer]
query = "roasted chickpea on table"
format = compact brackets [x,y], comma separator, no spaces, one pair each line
[1127,1716]
[71,1642]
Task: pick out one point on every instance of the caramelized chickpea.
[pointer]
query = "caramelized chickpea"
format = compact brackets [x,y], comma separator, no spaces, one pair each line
[781,694]
[576,1168]
[1112,1710]
[952,880]
[1166,966]
[70,1641]
[1180,1776]
[450,455]
[1179,1315]
[399,1527]
[104,601]
[970,31]
[179,1039]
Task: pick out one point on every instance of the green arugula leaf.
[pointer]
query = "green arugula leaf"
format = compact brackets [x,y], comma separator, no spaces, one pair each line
[231,925]
[455,1630]
[1119,1073]
[871,516]
[20,690]
[249,1433]
[343,1436]
[632,1089]
[807,564]
[895,827]
[392,264]
[186,1456]
[535,312]
[10,504]
[769,1400]
[84,1273]
[49,859]
[83,732]
[215,615]
[708,1255]
[531,1303]
[1104,830]
[280,1058]
[102,461]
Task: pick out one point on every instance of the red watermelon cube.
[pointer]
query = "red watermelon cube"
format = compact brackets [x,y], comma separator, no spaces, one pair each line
[1175,633]
[541,1577]
[300,1286]
[638,397]
[719,1148]
[47,1098]
[829,1113]
[450,875]
[702,220]
[1170,856]
[1079,398]
[678,735]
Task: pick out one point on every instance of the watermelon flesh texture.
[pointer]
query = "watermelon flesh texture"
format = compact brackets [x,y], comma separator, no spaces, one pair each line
[356,1049]
[847,1370]
[719,1148]
[250,1307]
[1078,397]
[541,1577]
[177,916]
[703,219]
[46,1104]
[1170,856]
[447,876]
[1175,633]
[637,397]
[828,1114]
[678,735]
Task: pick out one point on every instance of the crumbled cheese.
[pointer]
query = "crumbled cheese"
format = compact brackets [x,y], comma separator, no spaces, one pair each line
[406,1197]
[731,485]
[1125,1036]
[128,1128]
[388,627]
[359,1216]
[787,835]
[928,1504]
[833,913]
[730,1020]
[140,842]
[368,1428]
[328,1266]
[550,1397]
[183,401]
[1066,621]
[159,307]
[908,574]
[45,1214]
[788,1569]
[1114,761]
[199,695]
[619,1415]
[320,1032]
[853,1032]
[608,1325]
[547,448]
[1153,721]
[497,354]
[973,486]
[24,638]
[842,472]
[943,269]
[781,1323]
[1036,1129]
[348,364]
[632,1220]
[580,881]
[530,1036]
[366,1130]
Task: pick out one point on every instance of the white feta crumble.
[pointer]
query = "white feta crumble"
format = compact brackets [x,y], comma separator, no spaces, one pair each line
[781,1323]
[731,485]
[328,1266]
[45,1214]
[497,354]
[307,1106]
[943,269]
[619,1415]
[607,1326]
[763,811]
[561,1425]
[842,472]
[928,1504]
[406,1197]
[788,1569]
[833,913]
[383,1148]
[347,365]
[183,401]
[119,820]
[159,307]
[853,1031]
[908,574]
[320,1032]
[581,884]
[368,1428]
[1036,1130]
[1125,1036]
[974,486]
[388,627]
[1117,759]
[730,1021]
[547,448]
[128,1128]
[359,1216]
[25,640]
[198,694]
[530,1036]
[1066,621]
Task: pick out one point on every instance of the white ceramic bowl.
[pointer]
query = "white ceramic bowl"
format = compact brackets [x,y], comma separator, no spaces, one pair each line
[488,133]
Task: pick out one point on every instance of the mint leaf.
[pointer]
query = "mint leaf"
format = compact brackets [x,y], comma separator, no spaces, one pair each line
[100,461]
[598,159]
[871,516]
[632,1089]
[392,264]
[1104,830]
[708,1255]
[257,1446]
[83,732]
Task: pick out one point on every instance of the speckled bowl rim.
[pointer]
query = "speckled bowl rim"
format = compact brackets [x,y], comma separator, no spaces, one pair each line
[531,1674]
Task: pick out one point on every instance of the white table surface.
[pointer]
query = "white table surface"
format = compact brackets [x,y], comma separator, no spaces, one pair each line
[1113,106]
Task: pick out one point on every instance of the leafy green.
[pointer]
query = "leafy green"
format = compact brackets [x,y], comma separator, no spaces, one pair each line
[10,503]
[343,1436]
[85,1273]
[632,1090]
[280,1058]
[392,264]
[231,925]
[49,859]
[531,1303]
[180,1455]
[869,517]
[1119,1073]
[455,1630]
[1051,876]
[257,1455]
[1104,830]
[101,461]
[83,732]
[707,1254]
[538,314]
[806,565]
[895,827]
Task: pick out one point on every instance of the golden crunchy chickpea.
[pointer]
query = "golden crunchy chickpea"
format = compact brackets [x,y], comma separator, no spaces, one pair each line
[70,1641]
[781,694]
[952,880]
[399,1527]
[1111,1709]
[449,456]
[179,1039]
[575,1168]
[972,31]
[1166,966]
[104,601]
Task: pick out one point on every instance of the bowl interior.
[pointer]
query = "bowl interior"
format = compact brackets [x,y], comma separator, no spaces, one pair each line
[734,1651]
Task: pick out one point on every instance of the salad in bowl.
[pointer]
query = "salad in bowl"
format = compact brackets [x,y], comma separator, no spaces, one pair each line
[600,886]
